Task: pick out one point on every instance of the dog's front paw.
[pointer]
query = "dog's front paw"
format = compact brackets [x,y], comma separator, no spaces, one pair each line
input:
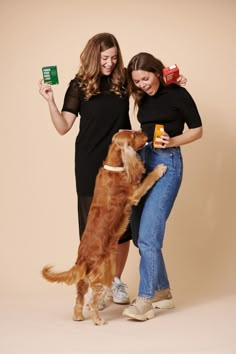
[160,170]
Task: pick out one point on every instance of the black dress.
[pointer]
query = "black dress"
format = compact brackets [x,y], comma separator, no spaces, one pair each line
[100,118]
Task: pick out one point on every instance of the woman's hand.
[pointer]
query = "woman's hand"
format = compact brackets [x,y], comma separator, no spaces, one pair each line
[45,90]
[164,141]
[182,80]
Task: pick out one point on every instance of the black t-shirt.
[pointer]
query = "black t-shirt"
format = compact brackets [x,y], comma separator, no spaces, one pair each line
[171,106]
[100,118]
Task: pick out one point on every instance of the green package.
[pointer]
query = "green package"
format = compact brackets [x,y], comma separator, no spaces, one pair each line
[50,75]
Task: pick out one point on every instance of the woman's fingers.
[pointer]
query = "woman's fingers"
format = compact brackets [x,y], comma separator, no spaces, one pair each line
[44,89]
[182,80]
[165,140]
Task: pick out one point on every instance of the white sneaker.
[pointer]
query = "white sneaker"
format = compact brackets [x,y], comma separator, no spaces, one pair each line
[119,292]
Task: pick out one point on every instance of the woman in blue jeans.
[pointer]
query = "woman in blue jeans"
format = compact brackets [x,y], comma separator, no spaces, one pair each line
[174,108]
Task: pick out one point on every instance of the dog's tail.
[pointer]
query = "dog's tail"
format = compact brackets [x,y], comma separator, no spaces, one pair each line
[71,276]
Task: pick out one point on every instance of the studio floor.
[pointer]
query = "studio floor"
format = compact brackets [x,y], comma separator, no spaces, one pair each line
[42,324]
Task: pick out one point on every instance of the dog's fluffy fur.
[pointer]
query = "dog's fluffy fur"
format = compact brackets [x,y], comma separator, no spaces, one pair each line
[114,194]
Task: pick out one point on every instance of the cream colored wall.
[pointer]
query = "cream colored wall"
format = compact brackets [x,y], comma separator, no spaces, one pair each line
[38,198]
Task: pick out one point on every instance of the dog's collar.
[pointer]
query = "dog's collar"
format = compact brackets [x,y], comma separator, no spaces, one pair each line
[114,169]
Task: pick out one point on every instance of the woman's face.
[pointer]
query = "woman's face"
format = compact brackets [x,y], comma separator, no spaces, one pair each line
[108,61]
[146,81]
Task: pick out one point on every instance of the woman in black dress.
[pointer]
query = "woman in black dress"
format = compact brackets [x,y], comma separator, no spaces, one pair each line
[98,95]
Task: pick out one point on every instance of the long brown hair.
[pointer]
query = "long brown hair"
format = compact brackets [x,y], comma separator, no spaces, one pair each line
[89,72]
[147,62]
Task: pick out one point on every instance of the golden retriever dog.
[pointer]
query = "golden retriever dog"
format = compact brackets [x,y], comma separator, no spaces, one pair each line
[119,185]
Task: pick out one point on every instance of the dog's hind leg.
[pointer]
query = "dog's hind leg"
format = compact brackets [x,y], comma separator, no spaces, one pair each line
[97,295]
[82,288]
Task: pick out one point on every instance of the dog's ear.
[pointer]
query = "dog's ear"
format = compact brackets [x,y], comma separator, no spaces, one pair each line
[131,161]
[123,138]
[132,164]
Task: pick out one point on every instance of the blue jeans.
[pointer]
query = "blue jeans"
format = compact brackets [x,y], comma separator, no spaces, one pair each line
[149,218]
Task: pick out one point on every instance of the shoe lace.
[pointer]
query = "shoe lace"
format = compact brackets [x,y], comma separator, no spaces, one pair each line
[121,288]
[138,299]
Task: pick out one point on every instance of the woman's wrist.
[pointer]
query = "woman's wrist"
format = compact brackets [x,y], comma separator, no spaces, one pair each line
[172,143]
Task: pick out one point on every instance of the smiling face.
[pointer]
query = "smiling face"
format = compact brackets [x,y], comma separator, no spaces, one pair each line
[108,60]
[146,81]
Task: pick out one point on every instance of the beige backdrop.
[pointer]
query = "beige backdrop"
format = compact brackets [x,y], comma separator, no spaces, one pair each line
[38,197]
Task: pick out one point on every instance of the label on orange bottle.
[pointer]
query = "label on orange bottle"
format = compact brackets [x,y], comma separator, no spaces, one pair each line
[158,132]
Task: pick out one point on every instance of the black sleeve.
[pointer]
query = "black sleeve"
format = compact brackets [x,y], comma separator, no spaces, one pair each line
[189,110]
[72,98]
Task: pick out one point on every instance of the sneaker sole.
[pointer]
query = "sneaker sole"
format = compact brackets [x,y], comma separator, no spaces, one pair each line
[146,316]
[120,302]
[164,304]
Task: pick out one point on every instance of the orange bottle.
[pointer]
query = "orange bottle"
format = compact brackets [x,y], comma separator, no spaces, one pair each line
[158,132]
